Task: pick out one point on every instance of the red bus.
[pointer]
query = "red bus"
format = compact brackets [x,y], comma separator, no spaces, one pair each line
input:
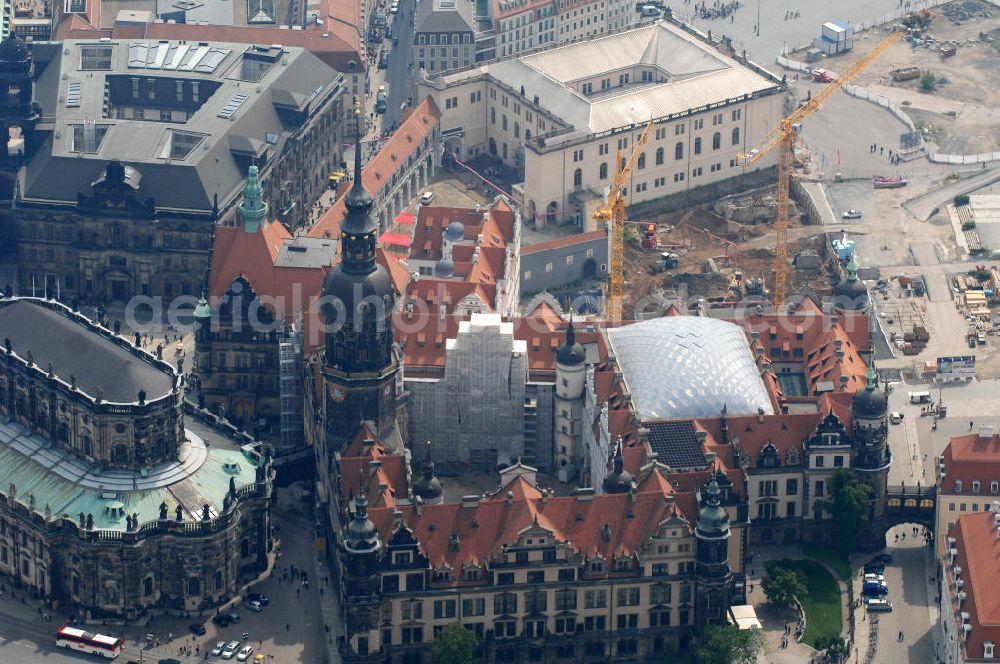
[89,642]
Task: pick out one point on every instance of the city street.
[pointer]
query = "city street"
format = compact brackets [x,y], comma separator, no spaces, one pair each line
[914,613]
[290,629]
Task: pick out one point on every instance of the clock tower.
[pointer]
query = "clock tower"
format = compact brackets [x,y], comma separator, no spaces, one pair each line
[361,365]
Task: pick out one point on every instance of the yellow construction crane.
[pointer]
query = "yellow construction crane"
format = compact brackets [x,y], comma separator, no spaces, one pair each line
[612,214]
[783,138]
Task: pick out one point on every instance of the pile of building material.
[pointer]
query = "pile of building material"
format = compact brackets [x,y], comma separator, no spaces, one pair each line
[965,11]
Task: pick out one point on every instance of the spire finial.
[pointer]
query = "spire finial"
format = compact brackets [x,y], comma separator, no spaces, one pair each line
[871,375]
[852,269]
[357,197]
[570,332]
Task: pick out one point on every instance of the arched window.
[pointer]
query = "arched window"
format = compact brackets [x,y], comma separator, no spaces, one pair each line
[679,151]
[121,453]
[603,174]
[736,135]
[147,586]
[697,145]
[578,177]
[194,586]
[659,156]
[716,141]
[517,129]
[642,161]
[527,134]
[493,116]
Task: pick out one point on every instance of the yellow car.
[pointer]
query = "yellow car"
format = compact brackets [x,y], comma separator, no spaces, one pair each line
[258,659]
[337,176]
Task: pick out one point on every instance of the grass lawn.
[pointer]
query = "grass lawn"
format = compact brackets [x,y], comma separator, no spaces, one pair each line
[838,562]
[822,602]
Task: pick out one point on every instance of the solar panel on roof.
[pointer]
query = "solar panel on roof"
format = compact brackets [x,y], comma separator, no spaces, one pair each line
[73,94]
[211,60]
[675,444]
[232,106]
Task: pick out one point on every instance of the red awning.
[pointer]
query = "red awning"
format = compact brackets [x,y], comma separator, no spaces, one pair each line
[395,239]
[406,218]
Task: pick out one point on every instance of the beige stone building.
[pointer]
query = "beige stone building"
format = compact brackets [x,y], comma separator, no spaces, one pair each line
[968,477]
[560,116]
[109,505]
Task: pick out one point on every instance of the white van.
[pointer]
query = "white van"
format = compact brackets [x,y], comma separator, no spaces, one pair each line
[895,417]
[920,397]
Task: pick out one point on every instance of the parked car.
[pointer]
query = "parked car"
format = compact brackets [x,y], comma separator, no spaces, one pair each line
[874,589]
[219,647]
[874,577]
[245,653]
[196,629]
[895,417]
[851,214]
[259,597]
[222,620]
[254,606]
[874,568]
[233,617]
[426,197]
[881,605]
[230,650]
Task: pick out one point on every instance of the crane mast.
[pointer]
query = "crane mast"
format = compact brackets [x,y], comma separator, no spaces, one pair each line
[782,137]
[612,214]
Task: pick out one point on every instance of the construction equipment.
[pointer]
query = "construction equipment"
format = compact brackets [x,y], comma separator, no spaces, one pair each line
[730,246]
[612,214]
[783,137]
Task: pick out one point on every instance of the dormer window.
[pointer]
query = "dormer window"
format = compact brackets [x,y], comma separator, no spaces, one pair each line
[958,486]
[401,558]
[994,487]
[596,565]
[975,486]
[987,650]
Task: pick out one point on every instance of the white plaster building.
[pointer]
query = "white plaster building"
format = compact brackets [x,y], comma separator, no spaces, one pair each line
[583,19]
[562,114]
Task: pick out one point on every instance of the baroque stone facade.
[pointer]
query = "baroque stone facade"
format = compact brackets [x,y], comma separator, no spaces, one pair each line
[109,505]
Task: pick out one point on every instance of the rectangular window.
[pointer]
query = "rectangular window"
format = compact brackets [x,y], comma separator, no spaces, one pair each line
[473,607]
[838,461]
[792,487]
[790,509]
[628,597]
[820,489]
[444,608]
[505,579]
[820,461]
[595,599]
[766,511]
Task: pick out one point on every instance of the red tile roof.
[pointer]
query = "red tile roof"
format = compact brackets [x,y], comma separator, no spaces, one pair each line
[978,547]
[565,241]
[377,173]
[970,458]
[580,523]
[371,469]
[817,346]
[292,290]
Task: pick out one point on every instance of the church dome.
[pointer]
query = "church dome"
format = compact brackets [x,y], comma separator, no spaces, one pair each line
[870,402]
[361,534]
[713,521]
[13,49]
[454,232]
[851,294]
[347,290]
[570,353]
[619,480]
[428,487]
[444,268]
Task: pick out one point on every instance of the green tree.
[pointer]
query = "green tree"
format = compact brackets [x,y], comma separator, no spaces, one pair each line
[782,586]
[835,647]
[454,645]
[928,81]
[848,504]
[728,644]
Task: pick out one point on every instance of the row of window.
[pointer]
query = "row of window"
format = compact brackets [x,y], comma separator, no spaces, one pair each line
[453,38]
[977,486]
[537,601]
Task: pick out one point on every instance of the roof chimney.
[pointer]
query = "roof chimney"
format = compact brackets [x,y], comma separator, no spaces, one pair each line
[760,415]
[584,495]
[470,502]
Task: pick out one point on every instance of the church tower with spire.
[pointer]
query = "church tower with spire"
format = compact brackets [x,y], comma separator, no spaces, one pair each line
[253,209]
[571,376]
[714,577]
[870,439]
[361,365]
